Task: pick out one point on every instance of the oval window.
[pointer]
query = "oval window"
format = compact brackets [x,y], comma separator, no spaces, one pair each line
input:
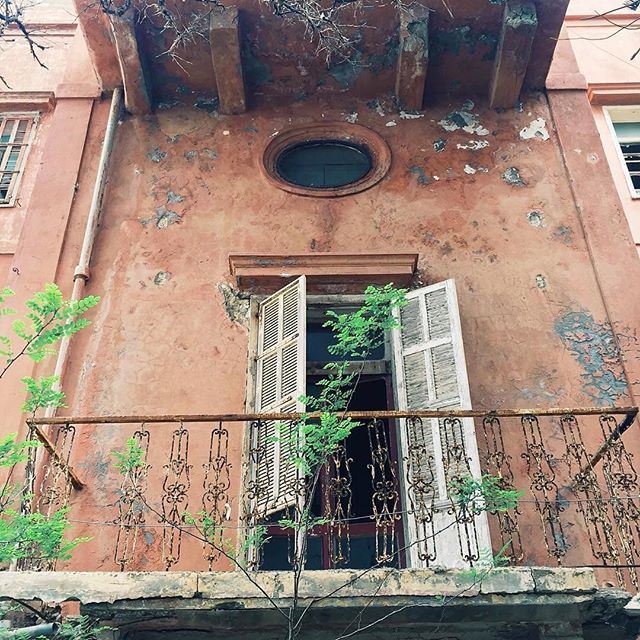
[324,164]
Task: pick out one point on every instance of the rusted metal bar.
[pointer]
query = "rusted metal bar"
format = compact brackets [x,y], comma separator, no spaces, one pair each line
[48,445]
[616,434]
[356,415]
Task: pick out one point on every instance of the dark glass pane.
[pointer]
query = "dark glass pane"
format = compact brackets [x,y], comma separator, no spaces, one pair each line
[363,553]
[275,554]
[323,164]
[319,338]
[314,553]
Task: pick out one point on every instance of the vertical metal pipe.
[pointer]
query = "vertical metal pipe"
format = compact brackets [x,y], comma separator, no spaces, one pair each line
[81,273]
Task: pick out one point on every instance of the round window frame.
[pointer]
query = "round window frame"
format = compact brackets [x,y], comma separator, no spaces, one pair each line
[348,133]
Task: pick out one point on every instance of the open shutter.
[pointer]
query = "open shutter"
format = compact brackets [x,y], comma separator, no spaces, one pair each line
[280,382]
[430,373]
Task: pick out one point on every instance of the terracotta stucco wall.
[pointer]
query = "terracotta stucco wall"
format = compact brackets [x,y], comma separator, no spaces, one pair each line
[185,191]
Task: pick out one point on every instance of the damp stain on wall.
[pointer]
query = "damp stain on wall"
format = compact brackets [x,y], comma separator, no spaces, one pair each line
[594,346]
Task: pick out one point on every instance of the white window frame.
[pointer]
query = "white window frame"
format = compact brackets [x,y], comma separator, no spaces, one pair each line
[449,557]
[620,114]
[34,118]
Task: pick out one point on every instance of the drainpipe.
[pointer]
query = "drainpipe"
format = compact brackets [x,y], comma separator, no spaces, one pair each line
[38,631]
[81,272]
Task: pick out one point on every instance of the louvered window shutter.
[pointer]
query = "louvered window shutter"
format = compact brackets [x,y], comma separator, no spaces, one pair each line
[280,382]
[430,373]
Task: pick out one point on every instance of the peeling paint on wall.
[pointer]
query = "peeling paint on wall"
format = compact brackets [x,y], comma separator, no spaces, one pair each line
[536,129]
[464,119]
[521,15]
[257,72]
[386,60]
[236,303]
[156,154]
[421,177]
[174,197]
[512,176]
[161,278]
[346,72]
[594,347]
[439,145]
[410,115]
[162,218]
[473,145]
[536,219]
[471,170]
[454,41]
[564,233]
[210,105]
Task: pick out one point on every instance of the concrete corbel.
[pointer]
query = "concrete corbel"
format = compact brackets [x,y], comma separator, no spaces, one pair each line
[137,95]
[224,36]
[413,59]
[519,24]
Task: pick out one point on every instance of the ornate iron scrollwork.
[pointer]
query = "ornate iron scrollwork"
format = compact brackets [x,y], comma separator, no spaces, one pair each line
[175,499]
[130,504]
[215,498]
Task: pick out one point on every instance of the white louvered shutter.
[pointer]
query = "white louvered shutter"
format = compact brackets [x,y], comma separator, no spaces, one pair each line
[430,373]
[280,382]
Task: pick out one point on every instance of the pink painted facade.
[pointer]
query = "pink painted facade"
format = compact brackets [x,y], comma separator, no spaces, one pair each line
[603,48]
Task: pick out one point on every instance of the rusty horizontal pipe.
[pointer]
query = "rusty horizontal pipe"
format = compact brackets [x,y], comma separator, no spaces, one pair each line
[630,412]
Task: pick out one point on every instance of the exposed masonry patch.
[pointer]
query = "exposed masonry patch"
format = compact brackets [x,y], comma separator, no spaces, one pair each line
[594,346]
[439,145]
[524,15]
[352,117]
[391,123]
[473,145]
[346,72]
[210,105]
[536,219]
[464,38]
[162,218]
[421,177]
[512,176]
[236,303]
[536,129]
[564,233]
[161,278]
[174,197]
[173,139]
[541,281]
[464,119]
[190,155]
[377,107]
[410,115]
[156,154]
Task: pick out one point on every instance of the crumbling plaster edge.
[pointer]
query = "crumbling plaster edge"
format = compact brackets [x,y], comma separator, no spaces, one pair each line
[111,587]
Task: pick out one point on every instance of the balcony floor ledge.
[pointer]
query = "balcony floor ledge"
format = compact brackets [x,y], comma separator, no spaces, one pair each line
[227,600]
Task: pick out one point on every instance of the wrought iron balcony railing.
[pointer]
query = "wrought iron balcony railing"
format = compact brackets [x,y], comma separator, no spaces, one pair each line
[384,497]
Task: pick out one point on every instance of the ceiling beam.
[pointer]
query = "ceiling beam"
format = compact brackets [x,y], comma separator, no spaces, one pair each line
[413,58]
[137,97]
[519,24]
[224,36]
